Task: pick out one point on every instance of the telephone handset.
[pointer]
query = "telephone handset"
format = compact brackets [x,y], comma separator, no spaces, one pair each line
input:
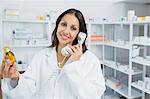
[66,51]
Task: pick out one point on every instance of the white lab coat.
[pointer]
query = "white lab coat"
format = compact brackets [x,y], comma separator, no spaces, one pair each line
[43,79]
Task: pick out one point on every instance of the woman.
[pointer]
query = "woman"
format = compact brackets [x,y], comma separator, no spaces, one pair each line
[54,76]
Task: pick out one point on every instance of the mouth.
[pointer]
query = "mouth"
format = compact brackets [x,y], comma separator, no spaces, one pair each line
[64,37]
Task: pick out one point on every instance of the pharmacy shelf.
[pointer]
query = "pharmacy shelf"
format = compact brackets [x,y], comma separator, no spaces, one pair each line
[113,31]
[142,43]
[120,68]
[141,22]
[117,23]
[120,23]
[95,43]
[134,84]
[114,44]
[111,97]
[125,22]
[95,23]
[26,21]
[28,46]
[141,60]
[123,90]
[31,38]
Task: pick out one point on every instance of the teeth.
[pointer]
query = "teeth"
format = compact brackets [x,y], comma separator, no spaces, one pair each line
[64,36]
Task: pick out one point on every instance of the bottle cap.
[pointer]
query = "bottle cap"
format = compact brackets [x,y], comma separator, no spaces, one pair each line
[6,49]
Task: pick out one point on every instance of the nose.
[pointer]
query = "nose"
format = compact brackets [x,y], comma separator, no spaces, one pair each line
[67,30]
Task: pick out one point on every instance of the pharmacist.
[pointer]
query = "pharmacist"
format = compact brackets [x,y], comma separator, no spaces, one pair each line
[51,75]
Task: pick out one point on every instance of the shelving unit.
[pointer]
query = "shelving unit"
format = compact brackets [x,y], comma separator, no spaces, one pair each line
[120,48]
[112,42]
[25,21]
[115,53]
[134,84]
[123,91]
[115,44]
[120,68]
[142,40]
[141,60]
[25,37]
[95,30]
[24,47]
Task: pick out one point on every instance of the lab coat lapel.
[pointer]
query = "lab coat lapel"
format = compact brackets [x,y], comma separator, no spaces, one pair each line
[52,57]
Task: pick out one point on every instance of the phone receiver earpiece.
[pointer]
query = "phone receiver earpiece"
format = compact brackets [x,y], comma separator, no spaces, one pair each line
[66,51]
[81,37]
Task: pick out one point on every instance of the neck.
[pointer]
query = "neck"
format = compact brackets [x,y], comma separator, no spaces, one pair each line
[59,48]
[60,58]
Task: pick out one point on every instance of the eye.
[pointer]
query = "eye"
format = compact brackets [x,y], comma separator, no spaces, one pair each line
[63,24]
[73,28]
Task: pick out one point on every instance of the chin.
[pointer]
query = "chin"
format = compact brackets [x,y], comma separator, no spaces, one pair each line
[64,43]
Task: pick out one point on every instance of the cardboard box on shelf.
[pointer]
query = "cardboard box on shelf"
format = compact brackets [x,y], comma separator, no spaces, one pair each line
[97,37]
[11,14]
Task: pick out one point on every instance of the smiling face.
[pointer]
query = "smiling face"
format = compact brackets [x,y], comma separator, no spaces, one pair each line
[68,29]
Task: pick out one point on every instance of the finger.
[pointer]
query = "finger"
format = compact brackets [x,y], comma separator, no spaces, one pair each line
[73,48]
[2,67]
[3,63]
[13,65]
[80,46]
[6,69]
[14,74]
[12,71]
[77,47]
[9,63]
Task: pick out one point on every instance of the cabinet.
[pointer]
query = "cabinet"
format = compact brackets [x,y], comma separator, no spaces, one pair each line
[124,52]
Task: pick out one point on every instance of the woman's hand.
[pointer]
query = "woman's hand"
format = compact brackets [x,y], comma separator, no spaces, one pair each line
[76,52]
[9,70]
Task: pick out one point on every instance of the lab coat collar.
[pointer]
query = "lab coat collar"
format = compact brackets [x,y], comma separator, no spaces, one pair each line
[51,56]
[50,51]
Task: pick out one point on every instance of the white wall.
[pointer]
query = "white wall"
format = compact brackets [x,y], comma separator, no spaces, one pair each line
[29,9]
[148,10]
[140,9]
[91,8]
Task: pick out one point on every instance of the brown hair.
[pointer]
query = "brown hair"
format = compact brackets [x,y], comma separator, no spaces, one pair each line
[82,28]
